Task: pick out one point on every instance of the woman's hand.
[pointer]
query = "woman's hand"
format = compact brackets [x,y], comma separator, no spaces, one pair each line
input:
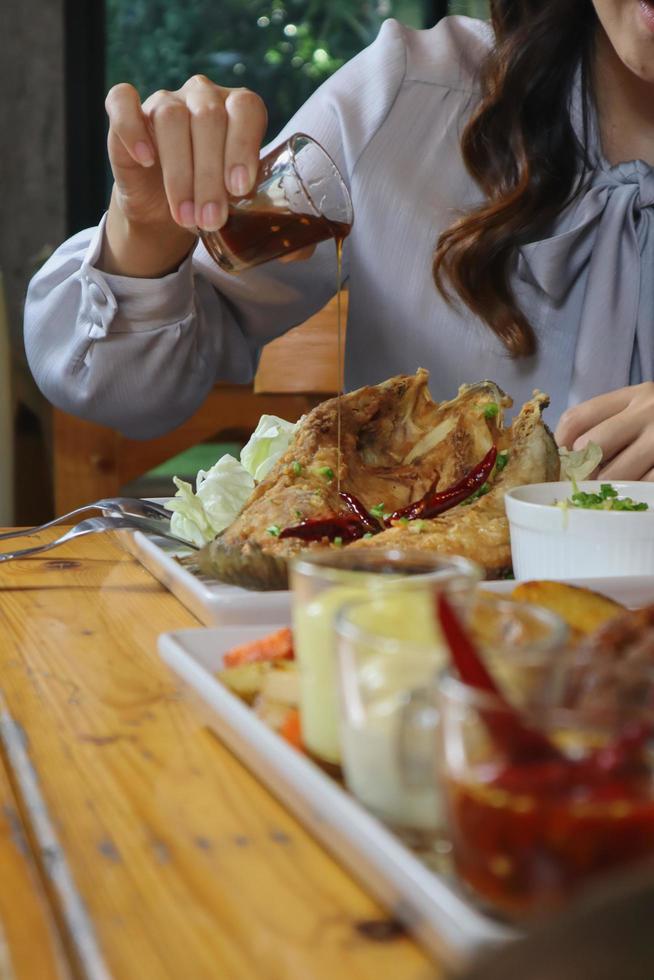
[175,158]
[622,423]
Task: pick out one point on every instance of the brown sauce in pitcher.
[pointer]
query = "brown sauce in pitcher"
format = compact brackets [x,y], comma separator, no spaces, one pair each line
[252,237]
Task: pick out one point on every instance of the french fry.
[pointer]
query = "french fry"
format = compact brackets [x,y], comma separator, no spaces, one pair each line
[583,610]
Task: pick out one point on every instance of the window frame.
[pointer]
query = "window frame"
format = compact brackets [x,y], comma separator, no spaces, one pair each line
[86,127]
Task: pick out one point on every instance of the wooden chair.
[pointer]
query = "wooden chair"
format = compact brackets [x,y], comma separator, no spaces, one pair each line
[295,373]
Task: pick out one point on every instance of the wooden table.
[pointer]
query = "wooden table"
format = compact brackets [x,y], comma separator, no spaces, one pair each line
[132,843]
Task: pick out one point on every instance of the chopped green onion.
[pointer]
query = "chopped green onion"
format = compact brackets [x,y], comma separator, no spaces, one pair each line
[338,542]
[275,530]
[327,472]
[296,467]
[403,521]
[491,411]
[416,527]
[628,504]
[368,534]
[481,492]
[378,510]
[606,499]
[502,460]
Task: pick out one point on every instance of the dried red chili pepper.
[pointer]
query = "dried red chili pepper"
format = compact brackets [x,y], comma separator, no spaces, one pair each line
[524,745]
[520,742]
[343,526]
[348,527]
[357,508]
[436,502]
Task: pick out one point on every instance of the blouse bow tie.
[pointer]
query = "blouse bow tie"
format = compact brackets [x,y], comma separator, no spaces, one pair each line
[607,220]
[609,231]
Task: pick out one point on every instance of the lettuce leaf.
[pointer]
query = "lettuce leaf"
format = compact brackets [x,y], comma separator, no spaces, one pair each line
[577,465]
[267,445]
[189,520]
[221,493]
[223,490]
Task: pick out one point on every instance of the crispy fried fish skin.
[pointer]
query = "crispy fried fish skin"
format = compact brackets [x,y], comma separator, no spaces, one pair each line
[396,443]
[480,530]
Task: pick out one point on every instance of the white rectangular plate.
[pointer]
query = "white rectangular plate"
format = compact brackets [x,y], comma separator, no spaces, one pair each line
[214,603]
[429,905]
[426,903]
[217,604]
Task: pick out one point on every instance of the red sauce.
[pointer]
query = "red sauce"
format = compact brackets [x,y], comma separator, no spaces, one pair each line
[531,835]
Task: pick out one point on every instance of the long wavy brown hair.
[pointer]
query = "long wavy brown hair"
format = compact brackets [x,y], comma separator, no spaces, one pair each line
[521,148]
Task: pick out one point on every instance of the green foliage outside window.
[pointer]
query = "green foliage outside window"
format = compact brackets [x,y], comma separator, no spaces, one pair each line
[282,49]
[473,8]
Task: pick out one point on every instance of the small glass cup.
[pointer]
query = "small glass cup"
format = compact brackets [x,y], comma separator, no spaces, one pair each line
[321,583]
[390,654]
[299,199]
[527,835]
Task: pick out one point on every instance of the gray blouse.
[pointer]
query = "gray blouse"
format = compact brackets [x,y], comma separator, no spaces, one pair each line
[141,355]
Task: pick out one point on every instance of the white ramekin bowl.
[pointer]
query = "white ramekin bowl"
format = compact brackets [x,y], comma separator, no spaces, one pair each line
[556,543]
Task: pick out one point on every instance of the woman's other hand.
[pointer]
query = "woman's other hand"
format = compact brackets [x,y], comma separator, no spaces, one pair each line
[175,158]
[622,423]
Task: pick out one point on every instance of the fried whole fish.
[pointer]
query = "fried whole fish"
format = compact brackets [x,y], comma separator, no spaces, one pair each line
[396,444]
[480,530]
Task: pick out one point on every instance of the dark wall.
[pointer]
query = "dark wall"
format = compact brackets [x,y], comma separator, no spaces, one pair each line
[32,209]
[32,178]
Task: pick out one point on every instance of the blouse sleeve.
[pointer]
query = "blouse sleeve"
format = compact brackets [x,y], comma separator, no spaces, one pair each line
[141,355]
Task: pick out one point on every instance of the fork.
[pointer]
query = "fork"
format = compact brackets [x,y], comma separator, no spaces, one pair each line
[93,525]
[110,506]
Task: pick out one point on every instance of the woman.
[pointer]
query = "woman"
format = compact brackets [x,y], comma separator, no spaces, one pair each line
[503,187]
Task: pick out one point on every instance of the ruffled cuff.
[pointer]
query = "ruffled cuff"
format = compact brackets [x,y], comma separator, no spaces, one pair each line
[121,304]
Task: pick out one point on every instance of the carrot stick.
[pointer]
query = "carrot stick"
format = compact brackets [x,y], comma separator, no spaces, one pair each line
[275,646]
[291,729]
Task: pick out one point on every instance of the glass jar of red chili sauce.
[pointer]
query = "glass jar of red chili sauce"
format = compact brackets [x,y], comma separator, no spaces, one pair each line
[528,829]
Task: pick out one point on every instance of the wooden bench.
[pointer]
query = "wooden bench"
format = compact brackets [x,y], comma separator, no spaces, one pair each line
[295,373]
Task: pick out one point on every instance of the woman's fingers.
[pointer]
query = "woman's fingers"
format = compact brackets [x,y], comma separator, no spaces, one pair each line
[577,423]
[247,121]
[227,127]
[206,106]
[205,138]
[622,423]
[613,434]
[170,123]
[129,137]
[633,463]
